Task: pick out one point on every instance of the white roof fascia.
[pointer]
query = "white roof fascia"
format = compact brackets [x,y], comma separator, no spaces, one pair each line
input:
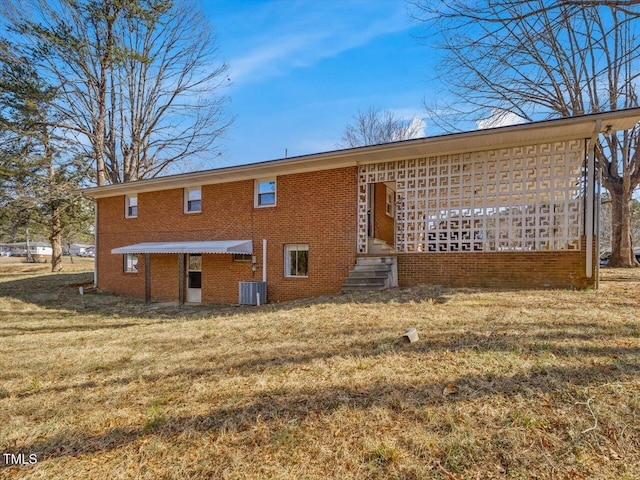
[561,129]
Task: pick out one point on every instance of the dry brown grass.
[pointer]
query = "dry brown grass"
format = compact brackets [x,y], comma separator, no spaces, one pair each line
[546,384]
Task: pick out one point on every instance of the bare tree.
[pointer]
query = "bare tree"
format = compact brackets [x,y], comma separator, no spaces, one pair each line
[138,81]
[538,60]
[373,126]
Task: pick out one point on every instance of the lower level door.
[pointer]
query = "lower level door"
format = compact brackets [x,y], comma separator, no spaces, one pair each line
[194,278]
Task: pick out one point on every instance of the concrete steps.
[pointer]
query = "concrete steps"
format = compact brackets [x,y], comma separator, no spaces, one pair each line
[372,273]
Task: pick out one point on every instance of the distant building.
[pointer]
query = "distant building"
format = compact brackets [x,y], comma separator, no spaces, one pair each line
[78,249]
[40,249]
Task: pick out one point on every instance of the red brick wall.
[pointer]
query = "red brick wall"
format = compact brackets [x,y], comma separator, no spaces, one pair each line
[561,269]
[318,209]
[164,276]
[383,224]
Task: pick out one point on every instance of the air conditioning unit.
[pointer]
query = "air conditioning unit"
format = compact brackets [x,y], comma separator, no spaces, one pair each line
[252,293]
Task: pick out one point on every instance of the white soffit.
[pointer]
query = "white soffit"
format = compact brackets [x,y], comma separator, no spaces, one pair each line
[214,246]
[474,141]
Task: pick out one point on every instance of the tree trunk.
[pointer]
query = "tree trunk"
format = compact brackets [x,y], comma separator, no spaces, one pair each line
[56,240]
[100,130]
[105,63]
[621,243]
[55,232]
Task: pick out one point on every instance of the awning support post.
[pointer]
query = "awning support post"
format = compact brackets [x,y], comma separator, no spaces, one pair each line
[598,213]
[181,279]
[147,278]
[97,246]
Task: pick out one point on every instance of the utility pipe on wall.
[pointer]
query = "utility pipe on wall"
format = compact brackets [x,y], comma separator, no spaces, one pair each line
[264,260]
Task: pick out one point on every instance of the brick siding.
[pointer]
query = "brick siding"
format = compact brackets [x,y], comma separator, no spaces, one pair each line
[558,269]
[318,209]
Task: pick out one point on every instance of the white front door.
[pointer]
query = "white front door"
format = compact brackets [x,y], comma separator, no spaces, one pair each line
[194,278]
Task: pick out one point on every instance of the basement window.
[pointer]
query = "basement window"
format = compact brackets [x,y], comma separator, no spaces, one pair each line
[131,206]
[192,200]
[296,260]
[130,263]
[265,192]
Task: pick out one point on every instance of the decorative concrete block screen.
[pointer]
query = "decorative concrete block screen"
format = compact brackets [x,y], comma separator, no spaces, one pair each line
[514,199]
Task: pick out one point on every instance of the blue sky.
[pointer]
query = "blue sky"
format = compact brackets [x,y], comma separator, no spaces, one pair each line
[301,69]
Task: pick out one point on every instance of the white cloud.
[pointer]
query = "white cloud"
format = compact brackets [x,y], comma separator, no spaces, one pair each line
[311,31]
[415,129]
[418,127]
[271,58]
[500,118]
[417,123]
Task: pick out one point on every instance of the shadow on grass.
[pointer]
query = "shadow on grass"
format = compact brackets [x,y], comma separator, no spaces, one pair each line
[296,404]
[61,292]
[274,359]
[283,406]
[12,330]
[541,343]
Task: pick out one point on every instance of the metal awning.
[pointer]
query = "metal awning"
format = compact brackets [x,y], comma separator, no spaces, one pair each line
[213,246]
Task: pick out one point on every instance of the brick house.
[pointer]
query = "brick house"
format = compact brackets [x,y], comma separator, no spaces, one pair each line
[505,207]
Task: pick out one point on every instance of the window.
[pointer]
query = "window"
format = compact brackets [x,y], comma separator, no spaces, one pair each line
[131,206]
[130,263]
[390,202]
[265,192]
[296,260]
[242,257]
[192,200]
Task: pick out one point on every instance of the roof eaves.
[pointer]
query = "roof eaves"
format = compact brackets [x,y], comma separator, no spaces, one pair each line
[564,128]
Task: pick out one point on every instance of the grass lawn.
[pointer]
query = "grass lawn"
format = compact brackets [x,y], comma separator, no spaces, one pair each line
[527,384]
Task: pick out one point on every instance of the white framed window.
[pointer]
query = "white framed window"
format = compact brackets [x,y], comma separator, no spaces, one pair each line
[131,206]
[296,260]
[192,200]
[390,202]
[131,263]
[265,192]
